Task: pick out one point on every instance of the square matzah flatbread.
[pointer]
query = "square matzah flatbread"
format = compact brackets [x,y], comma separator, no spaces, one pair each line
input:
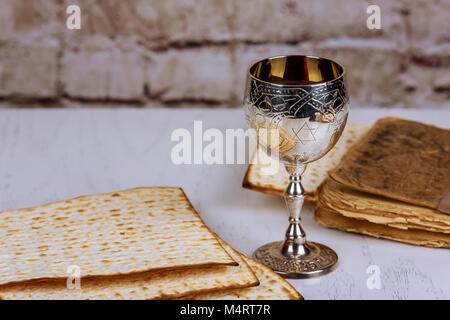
[315,172]
[108,234]
[399,159]
[162,284]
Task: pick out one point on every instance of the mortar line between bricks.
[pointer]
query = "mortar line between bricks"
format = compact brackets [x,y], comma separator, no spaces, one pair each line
[186,45]
[65,102]
[148,101]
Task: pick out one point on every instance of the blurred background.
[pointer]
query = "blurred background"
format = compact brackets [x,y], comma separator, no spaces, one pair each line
[194,53]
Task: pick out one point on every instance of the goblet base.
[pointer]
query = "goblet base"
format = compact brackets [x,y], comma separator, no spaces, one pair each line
[319,260]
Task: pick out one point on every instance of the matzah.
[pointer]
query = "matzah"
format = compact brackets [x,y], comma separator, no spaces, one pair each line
[122,232]
[399,159]
[271,287]
[315,172]
[332,219]
[376,209]
[162,284]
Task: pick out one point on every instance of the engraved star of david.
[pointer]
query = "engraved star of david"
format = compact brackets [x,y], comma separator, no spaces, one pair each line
[312,132]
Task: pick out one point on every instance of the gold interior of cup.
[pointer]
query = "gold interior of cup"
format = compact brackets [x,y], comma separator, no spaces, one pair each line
[296,70]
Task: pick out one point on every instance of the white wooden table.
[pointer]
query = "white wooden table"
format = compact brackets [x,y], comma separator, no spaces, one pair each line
[51,154]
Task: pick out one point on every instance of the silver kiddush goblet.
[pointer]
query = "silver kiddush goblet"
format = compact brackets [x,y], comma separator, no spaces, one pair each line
[304,99]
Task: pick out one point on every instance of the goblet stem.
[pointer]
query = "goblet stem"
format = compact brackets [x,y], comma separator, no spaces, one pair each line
[295,240]
[295,257]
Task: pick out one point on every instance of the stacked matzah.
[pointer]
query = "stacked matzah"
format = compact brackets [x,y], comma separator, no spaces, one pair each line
[316,172]
[389,185]
[145,243]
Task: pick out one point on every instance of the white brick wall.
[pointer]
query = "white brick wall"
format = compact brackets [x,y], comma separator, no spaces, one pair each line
[184,51]
[97,68]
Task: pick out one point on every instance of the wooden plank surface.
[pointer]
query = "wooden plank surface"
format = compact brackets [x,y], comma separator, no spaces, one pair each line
[48,155]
